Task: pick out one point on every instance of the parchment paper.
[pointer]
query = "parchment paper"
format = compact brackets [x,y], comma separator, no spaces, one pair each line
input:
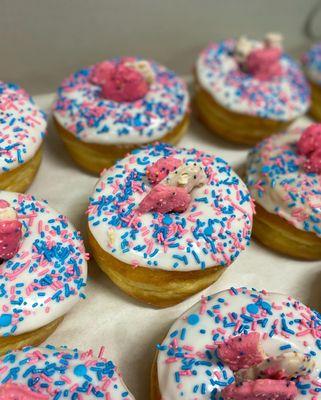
[128,329]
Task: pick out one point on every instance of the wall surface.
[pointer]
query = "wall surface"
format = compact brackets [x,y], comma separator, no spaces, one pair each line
[41,41]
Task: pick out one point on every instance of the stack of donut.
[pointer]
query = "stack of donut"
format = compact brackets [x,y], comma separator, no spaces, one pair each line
[165,222]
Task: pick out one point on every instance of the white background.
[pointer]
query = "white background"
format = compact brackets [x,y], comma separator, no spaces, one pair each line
[128,329]
[42,41]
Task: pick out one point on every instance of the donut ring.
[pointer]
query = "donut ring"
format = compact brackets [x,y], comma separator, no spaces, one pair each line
[240,108]
[187,365]
[98,131]
[162,258]
[22,129]
[287,205]
[44,279]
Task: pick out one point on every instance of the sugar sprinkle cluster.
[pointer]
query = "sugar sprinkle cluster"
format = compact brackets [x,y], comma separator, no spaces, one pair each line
[22,127]
[188,364]
[214,229]
[279,182]
[48,274]
[81,109]
[64,374]
[283,98]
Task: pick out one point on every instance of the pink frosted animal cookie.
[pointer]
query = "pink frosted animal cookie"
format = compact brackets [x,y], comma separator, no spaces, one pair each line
[165,199]
[119,82]
[264,64]
[102,72]
[10,231]
[310,140]
[262,60]
[13,391]
[177,180]
[159,170]
[263,389]
[309,145]
[313,164]
[242,351]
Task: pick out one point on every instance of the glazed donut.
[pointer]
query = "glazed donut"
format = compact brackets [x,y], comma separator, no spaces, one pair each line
[110,108]
[165,222]
[43,270]
[51,373]
[231,337]
[283,175]
[312,67]
[247,90]
[22,130]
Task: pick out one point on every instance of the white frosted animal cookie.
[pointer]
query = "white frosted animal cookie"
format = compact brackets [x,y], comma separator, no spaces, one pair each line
[287,365]
[188,176]
[144,68]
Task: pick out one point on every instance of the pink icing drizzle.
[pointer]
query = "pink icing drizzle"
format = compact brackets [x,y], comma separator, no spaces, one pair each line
[10,235]
[119,82]
[309,145]
[13,391]
[264,64]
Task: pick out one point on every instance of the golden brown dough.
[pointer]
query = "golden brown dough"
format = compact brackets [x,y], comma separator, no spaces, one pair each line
[33,338]
[231,126]
[19,179]
[154,387]
[315,109]
[95,157]
[279,235]
[156,287]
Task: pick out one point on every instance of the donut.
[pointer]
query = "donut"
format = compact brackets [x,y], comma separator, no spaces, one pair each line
[104,111]
[247,90]
[283,176]
[49,372]
[43,270]
[241,344]
[22,130]
[311,61]
[165,222]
